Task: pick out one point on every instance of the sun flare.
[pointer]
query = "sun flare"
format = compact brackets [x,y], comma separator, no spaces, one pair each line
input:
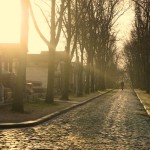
[10,19]
[10,22]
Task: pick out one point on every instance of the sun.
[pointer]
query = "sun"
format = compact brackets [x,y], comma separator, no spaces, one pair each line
[10,20]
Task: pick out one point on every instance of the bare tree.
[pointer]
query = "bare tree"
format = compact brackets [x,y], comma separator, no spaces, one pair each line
[72,21]
[137,49]
[55,26]
[102,17]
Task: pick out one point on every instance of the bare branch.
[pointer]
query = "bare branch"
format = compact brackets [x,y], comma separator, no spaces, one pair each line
[36,26]
[43,15]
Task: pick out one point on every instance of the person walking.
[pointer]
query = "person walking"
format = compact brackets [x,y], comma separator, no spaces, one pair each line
[122,85]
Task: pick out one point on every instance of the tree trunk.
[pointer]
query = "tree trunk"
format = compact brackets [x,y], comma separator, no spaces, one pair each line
[102,77]
[80,80]
[1,85]
[51,76]
[87,84]
[51,62]
[66,71]
[18,105]
[66,74]
[148,78]
[92,78]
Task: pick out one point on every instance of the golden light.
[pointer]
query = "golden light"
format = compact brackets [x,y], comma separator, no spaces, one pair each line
[10,18]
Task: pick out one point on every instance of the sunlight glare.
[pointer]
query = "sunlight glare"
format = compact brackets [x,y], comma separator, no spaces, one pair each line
[10,18]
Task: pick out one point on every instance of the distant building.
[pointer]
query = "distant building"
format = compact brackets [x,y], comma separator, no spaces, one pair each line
[8,55]
[41,60]
[37,67]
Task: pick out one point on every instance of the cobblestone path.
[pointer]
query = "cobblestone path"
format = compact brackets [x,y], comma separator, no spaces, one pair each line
[116,121]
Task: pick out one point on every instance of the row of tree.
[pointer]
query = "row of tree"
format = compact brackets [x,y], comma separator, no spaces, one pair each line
[87,27]
[137,49]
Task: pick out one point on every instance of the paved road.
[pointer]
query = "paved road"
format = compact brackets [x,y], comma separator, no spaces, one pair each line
[116,121]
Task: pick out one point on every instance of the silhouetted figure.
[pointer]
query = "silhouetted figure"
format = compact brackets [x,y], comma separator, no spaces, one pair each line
[122,85]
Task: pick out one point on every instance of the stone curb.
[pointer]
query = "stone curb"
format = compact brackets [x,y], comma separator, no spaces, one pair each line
[47,117]
[148,112]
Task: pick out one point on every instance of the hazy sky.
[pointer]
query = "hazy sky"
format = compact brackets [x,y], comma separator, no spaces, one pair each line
[10,26]
[9,21]
[124,24]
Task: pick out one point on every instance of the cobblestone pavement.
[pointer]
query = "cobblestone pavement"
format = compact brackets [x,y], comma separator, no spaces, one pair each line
[116,121]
